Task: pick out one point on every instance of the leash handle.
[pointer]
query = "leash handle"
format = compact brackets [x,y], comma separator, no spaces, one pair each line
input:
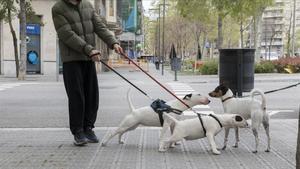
[123,54]
[98,53]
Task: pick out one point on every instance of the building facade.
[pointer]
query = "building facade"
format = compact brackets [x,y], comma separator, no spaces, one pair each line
[277,25]
[130,13]
[273,31]
[43,52]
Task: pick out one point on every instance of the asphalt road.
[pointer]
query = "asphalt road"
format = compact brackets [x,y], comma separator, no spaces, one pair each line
[34,126]
[41,103]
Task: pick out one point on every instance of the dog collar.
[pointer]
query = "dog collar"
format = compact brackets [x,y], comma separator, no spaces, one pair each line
[227,98]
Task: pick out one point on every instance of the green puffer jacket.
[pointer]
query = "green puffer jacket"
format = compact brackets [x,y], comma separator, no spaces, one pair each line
[76,26]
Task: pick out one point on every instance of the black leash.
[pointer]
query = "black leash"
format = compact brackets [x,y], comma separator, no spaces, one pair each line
[159,106]
[161,85]
[170,109]
[271,91]
[125,79]
[276,90]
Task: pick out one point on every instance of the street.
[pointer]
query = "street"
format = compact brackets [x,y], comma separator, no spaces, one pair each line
[34,125]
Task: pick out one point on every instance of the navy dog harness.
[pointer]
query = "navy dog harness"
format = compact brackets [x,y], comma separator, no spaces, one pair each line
[160,106]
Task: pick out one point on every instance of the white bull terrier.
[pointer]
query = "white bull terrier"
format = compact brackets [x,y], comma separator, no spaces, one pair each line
[192,129]
[246,107]
[148,117]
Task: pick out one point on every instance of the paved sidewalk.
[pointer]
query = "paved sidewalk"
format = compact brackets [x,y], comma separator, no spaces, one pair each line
[51,148]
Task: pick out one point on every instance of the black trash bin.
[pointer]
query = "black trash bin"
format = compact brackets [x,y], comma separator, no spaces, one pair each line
[237,69]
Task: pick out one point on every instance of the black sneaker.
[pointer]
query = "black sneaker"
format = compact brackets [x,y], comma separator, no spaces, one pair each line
[80,139]
[90,135]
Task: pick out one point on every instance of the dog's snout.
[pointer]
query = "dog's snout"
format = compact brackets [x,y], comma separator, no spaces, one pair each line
[212,94]
[208,101]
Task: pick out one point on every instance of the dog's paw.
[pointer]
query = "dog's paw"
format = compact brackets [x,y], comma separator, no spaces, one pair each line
[177,143]
[255,151]
[121,142]
[216,152]
[224,147]
[267,151]
[103,144]
[172,145]
[162,150]
[235,146]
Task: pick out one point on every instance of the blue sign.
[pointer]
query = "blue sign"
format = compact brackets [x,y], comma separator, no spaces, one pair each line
[32,57]
[33,29]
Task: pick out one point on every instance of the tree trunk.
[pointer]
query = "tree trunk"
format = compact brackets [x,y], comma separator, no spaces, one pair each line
[288,46]
[271,42]
[298,145]
[241,34]
[294,26]
[15,41]
[23,47]
[257,36]
[203,51]
[220,32]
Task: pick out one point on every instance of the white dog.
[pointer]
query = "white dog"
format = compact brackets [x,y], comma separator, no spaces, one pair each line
[246,107]
[210,126]
[148,117]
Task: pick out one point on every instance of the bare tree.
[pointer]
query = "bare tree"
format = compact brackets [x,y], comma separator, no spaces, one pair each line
[288,33]
[257,31]
[8,13]
[298,144]
[23,46]
[274,32]
[294,26]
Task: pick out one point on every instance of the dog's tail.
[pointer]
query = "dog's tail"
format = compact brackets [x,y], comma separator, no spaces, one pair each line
[263,97]
[129,100]
[169,119]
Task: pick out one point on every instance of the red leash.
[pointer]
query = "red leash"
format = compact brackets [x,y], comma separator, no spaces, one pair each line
[123,54]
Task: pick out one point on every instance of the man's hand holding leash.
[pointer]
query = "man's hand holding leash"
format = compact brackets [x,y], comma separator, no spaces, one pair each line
[95,55]
[118,49]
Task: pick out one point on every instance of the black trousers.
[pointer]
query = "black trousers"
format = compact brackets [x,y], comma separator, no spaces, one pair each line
[81,83]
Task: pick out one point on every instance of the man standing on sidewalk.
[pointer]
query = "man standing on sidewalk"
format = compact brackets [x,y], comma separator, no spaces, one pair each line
[76,23]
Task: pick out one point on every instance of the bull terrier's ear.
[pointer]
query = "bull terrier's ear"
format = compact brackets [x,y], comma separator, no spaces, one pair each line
[187,97]
[238,118]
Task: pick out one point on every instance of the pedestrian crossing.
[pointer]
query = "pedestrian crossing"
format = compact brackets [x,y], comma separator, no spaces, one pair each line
[6,86]
[182,89]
